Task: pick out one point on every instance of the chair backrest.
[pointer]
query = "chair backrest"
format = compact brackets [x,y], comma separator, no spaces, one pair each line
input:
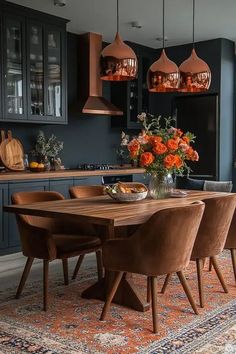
[34,242]
[231,237]
[214,226]
[189,183]
[217,186]
[35,197]
[85,191]
[164,243]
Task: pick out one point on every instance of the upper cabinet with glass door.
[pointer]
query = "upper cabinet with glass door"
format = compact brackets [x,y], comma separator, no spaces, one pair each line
[14,68]
[46,73]
[34,66]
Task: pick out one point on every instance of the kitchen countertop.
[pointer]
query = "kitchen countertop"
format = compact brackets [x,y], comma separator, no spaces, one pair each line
[14,176]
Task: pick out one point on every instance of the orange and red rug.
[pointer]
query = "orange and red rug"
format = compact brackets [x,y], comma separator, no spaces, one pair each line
[72,324]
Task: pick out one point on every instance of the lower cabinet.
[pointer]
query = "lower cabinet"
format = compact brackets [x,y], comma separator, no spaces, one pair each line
[141,178]
[14,187]
[3,217]
[91,180]
[61,186]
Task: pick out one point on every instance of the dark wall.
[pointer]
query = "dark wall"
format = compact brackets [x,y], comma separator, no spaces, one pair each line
[87,138]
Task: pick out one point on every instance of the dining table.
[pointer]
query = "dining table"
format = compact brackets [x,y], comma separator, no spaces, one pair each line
[108,215]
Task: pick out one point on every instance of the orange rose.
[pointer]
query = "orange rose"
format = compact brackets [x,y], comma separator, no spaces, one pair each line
[146,159]
[172,144]
[169,161]
[178,132]
[153,140]
[134,147]
[185,139]
[192,154]
[159,148]
[178,161]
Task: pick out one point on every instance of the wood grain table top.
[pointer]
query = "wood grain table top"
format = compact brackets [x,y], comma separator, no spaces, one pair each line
[105,211]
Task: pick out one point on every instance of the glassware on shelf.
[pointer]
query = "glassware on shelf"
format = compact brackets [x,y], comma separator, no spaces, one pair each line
[51,41]
[26,161]
[34,36]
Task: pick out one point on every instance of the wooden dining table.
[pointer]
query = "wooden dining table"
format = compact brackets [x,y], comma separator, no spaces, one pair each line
[107,215]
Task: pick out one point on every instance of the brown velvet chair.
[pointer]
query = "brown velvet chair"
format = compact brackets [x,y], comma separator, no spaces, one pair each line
[231,242]
[86,192]
[49,239]
[211,238]
[160,246]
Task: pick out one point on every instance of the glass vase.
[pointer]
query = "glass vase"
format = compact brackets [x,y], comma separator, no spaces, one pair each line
[160,186]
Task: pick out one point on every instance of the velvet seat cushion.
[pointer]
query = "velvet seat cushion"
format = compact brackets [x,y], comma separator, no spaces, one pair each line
[71,245]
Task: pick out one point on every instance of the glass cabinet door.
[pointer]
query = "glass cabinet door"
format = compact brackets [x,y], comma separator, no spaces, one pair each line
[35,71]
[15,80]
[54,74]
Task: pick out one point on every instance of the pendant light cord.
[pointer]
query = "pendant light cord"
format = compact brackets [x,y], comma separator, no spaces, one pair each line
[117,16]
[193,23]
[163,24]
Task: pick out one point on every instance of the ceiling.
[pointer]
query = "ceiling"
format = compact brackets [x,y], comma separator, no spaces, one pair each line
[214,18]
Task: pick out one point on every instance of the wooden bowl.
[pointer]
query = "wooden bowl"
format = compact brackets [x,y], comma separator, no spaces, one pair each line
[127,197]
[37,169]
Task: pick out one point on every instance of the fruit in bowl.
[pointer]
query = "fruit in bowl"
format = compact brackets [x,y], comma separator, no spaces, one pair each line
[36,167]
[127,192]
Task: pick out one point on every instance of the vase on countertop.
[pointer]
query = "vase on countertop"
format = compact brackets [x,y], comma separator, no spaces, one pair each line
[161,186]
[46,163]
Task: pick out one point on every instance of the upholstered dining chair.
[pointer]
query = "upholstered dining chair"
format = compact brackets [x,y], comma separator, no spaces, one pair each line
[211,238]
[49,239]
[231,242]
[217,186]
[160,246]
[86,192]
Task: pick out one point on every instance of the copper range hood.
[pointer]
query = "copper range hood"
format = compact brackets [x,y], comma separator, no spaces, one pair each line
[90,47]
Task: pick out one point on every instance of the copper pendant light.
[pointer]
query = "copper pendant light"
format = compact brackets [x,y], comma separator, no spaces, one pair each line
[163,74]
[118,60]
[195,74]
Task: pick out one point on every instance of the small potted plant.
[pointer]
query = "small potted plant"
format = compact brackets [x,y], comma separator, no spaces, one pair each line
[47,150]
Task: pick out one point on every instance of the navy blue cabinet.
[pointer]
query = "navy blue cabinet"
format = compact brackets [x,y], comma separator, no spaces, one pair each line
[141,178]
[61,185]
[91,180]
[3,216]
[33,55]
[26,186]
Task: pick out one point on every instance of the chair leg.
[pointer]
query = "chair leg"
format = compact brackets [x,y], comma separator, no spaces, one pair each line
[166,282]
[24,276]
[200,282]
[233,257]
[77,267]
[110,296]
[210,265]
[149,291]
[45,284]
[219,274]
[99,264]
[187,291]
[65,271]
[154,303]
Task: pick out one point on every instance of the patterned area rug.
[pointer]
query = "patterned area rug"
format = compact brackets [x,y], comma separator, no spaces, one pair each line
[71,324]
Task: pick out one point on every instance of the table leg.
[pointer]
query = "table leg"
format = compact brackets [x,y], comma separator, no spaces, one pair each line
[127,294]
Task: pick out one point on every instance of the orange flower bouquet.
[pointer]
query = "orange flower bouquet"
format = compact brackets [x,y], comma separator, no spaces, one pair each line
[162,150]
